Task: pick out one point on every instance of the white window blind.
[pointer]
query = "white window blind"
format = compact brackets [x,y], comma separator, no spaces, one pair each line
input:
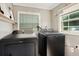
[28,23]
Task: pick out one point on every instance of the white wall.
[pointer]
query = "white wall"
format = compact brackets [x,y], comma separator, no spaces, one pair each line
[71,41]
[5,28]
[44,14]
[55,16]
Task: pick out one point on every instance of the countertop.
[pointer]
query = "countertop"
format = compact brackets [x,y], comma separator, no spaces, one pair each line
[19,36]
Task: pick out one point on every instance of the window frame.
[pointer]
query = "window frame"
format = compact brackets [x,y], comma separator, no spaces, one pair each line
[62,23]
[23,12]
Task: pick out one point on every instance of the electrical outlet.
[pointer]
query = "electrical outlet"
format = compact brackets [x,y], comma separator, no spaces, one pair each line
[72,49]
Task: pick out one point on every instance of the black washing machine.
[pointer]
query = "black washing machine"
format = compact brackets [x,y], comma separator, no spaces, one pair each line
[54,40]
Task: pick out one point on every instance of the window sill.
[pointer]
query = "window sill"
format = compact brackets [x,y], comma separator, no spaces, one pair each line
[70,32]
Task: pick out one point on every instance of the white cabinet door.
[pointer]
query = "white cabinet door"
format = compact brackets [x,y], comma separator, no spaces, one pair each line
[5,9]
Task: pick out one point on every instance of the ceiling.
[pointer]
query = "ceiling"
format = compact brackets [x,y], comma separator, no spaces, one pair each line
[47,6]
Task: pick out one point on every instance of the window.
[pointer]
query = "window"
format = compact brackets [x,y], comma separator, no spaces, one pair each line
[70,21]
[28,22]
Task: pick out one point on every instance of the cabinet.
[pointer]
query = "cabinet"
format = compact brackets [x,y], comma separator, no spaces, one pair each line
[8,13]
[56,44]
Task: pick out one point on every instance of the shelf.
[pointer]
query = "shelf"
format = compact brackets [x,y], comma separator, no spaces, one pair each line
[6,19]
